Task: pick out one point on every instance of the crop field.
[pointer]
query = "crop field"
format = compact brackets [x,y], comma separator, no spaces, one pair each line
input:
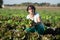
[13,23]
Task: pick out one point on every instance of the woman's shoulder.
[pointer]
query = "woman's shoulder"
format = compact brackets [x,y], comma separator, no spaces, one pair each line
[37,14]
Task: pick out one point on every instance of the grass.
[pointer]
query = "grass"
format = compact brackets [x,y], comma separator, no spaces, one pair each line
[46,14]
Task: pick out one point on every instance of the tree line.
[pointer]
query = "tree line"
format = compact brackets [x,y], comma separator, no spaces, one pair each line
[36,4]
[27,3]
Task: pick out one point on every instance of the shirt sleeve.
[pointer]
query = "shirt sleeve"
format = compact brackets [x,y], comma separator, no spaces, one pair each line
[37,15]
[27,17]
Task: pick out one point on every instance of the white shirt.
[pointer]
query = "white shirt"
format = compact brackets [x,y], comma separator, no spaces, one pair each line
[34,18]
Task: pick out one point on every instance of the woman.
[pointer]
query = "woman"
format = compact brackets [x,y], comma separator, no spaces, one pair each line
[36,18]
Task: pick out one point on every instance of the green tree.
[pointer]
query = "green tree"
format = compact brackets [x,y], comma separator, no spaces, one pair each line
[1,3]
[58,4]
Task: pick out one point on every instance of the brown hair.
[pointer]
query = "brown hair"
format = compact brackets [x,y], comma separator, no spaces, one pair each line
[32,7]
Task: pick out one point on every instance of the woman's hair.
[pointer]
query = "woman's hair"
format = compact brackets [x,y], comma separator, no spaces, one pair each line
[32,7]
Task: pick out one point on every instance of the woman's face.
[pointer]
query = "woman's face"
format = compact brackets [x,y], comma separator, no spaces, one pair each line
[30,10]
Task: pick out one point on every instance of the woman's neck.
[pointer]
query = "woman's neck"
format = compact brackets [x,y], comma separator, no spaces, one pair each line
[31,15]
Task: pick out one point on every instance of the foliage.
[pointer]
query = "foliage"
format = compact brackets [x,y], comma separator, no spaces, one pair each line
[13,22]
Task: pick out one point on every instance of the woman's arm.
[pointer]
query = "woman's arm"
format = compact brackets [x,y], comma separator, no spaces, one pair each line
[38,21]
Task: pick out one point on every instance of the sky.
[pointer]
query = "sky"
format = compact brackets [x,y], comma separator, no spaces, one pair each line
[33,1]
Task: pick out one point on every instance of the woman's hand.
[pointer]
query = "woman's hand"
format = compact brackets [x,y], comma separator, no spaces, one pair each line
[38,19]
[30,25]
